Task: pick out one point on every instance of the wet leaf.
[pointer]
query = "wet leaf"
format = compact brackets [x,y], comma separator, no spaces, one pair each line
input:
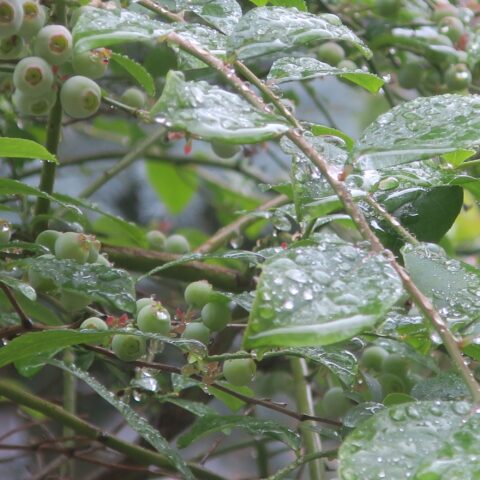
[23,148]
[320,294]
[422,128]
[103,284]
[422,441]
[213,113]
[269,29]
[140,424]
[254,426]
[18,286]
[137,71]
[453,286]
[305,68]
[444,386]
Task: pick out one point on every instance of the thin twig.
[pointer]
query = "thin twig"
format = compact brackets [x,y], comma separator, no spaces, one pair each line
[27,324]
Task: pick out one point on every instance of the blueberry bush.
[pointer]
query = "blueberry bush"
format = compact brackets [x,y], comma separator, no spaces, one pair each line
[324,321]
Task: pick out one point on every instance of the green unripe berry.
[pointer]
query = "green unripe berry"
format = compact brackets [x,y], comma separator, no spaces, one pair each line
[156,240]
[347,64]
[34,19]
[177,244]
[410,75]
[33,76]
[92,64]
[5,232]
[331,53]
[335,402]
[80,97]
[373,358]
[216,316]
[197,294]
[74,301]
[73,246]
[154,318]
[93,323]
[11,17]
[134,97]
[391,384]
[388,8]
[458,77]
[38,105]
[224,150]
[239,371]
[47,238]
[395,364]
[128,347]
[54,44]
[197,331]
[452,27]
[11,47]
[94,248]
[143,302]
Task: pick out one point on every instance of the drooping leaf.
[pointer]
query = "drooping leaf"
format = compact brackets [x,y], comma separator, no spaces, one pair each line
[174,186]
[424,440]
[106,285]
[305,68]
[213,113]
[339,361]
[137,71]
[422,128]
[268,29]
[453,286]
[33,343]
[21,287]
[140,424]
[322,130]
[254,426]
[222,14]
[320,294]
[23,148]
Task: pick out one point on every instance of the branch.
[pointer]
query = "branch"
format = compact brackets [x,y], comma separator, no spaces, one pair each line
[140,260]
[138,454]
[231,230]
[27,324]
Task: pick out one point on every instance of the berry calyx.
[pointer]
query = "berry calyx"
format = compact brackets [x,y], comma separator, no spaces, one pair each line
[34,19]
[92,64]
[54,44]
[154,318]
[128,347]
[216,316]
[80,97]
[197,294]
[11,17]
[33,76]
[239,371]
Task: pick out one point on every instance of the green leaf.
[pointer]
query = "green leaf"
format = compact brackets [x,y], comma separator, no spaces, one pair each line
[33,343]
[137,71]
[18,286]
[453,286]
[422,441]
[320,130]
[138,423]
[320,294]
[422,128]
[444,386]
[174,186]
[299,4]
[222,14]
[269,29]
[196,408]
[213,113]
[22,148]
[232,402]
[289,69]
[254,426]
[338,360]
[106,285]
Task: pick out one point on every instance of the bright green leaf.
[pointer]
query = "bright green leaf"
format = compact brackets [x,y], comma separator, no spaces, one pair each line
[22,148]
[137,71]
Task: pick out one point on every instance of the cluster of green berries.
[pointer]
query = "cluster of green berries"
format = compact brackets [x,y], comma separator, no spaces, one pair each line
[75,246]
[390,369]
[44,50]
[335,55]
[172,244]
